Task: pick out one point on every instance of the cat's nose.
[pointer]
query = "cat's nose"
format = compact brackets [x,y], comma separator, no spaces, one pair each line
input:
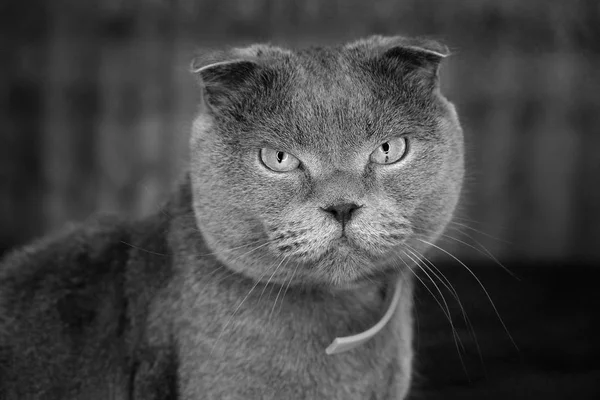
[342,212]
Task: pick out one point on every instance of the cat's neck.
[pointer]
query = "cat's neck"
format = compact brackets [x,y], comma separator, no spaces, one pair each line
[224,322]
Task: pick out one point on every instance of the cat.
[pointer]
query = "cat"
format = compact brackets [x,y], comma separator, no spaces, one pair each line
[315,173]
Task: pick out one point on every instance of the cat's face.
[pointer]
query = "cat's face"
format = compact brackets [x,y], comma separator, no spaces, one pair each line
[325,166]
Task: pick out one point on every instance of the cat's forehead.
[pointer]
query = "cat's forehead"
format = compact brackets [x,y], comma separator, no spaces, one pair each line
[327,100]
[318,98]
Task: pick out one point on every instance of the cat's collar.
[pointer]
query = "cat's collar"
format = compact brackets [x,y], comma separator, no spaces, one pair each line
[341,344]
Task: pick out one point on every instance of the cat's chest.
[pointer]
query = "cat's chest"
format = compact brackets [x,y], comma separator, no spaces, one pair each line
[259,348]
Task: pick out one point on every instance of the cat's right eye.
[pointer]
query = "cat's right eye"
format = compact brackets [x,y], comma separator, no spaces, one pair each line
[278,161]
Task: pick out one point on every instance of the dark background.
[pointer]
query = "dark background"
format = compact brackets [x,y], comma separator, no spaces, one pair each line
[96,101]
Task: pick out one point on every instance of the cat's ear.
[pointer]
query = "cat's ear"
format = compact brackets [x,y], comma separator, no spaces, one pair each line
[397,55]
[229,77]
[221,81]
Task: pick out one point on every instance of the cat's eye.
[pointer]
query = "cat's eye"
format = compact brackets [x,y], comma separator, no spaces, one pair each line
[278,161]
[389,152]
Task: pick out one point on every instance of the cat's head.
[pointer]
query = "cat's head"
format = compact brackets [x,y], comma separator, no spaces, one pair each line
[324,165]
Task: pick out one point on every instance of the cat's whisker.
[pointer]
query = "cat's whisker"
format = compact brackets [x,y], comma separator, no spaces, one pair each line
[465,226]
[467,219]
[247,253]
[271,277]
[428,289]
[144,250]
[483,250]
[239,247]
[277,297]
[446,282]
[455,334]
[226,276]
[447,309]
[273,286]
[214,271]
[424,262]
[288,286]
[232,273]
[443,279]
[480,284]
[259,280]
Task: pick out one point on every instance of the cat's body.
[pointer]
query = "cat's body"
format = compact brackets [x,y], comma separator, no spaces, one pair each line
[120,318]
[235,289]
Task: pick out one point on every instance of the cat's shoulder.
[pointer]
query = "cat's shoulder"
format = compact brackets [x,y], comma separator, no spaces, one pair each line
[83,250]
[85,261]
[72,302]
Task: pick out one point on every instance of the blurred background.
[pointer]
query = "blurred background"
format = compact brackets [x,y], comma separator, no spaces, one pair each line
[96,103]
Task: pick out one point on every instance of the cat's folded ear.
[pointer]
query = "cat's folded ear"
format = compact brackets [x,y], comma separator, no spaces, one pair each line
[401,56]
[227,77]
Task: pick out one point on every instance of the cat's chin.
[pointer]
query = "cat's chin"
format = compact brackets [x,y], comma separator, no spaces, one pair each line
[347,266]
[377,278]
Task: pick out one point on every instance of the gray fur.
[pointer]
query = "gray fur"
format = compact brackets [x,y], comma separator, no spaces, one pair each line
[235,289]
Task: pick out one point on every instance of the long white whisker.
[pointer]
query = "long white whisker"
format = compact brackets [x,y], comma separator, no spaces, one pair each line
[237,248]
[288,286]
[271,277]
[446,282]
[455,334]
[277,297]
[447,309]
[480,284]
[483,250]
[465,226]
[238,307]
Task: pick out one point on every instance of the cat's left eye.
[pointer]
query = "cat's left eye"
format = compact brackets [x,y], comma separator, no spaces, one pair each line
[278,161]
[390,152]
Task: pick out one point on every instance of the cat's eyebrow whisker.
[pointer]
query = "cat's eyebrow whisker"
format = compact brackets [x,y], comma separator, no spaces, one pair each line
[482,287]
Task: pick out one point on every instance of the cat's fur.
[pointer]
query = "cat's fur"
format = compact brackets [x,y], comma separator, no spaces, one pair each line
[235,289]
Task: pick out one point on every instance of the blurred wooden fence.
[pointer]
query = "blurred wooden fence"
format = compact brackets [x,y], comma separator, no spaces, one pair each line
[96,102]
